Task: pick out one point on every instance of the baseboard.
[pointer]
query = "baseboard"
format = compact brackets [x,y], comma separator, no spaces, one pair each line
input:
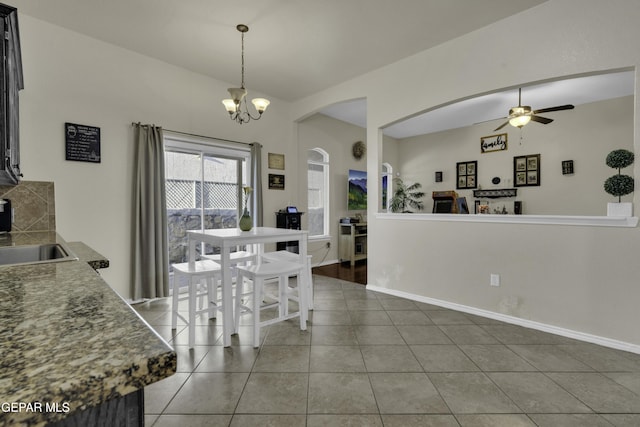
[581,336]
[321,264]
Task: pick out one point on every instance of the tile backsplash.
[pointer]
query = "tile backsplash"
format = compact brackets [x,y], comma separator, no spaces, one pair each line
[33,204]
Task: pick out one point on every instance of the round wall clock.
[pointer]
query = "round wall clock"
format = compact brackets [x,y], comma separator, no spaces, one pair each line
[359,149]
[496,180]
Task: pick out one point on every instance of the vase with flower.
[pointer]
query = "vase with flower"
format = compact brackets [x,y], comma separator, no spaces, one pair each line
[246,222]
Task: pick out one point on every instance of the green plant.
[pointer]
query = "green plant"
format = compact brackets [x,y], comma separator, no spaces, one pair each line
[619,185]
[406,197]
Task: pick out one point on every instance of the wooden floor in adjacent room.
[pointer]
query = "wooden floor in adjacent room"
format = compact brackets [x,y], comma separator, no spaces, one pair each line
[343,271]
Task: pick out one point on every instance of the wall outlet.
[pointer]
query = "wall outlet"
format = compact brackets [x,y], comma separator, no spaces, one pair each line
[494,280]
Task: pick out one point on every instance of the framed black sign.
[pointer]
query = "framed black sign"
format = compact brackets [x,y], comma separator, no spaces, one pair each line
[82,142]
[276,182]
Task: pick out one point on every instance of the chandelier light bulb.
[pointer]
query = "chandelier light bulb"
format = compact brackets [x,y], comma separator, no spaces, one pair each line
[261,104]
[230,105]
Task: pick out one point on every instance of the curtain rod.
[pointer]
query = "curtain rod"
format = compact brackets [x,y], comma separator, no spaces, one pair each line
[196,135]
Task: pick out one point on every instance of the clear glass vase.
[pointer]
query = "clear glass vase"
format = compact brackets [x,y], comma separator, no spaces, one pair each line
[246,223]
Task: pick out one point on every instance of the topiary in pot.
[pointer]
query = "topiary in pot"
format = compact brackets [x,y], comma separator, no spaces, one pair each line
[406,196]
[619,185]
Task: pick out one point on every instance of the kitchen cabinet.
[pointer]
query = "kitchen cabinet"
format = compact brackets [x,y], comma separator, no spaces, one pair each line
[11,82]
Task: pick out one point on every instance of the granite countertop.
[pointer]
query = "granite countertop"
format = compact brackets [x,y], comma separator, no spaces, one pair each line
[67,338]
[88,255]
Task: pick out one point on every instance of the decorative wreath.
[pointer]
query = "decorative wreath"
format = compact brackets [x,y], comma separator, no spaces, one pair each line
[359,149]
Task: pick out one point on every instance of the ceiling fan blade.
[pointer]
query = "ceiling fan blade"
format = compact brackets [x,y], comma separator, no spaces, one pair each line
[542,120]
[558,108]
[501,126]
[490,120]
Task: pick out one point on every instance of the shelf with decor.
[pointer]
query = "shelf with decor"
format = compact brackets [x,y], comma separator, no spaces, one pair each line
[495,193]
[352,243]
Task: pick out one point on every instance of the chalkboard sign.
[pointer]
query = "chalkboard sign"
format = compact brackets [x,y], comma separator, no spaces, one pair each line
[82,142]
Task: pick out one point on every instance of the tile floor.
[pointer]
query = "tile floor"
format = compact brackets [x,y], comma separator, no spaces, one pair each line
[370,359]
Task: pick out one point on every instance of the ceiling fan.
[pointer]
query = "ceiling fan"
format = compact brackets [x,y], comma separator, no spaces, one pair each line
[522,114]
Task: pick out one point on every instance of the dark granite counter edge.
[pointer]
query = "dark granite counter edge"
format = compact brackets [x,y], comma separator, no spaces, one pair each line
[87,254]
[152,361]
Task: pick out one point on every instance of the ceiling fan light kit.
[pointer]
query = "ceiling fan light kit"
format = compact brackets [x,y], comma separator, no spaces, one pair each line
[522,114]
[519,116]
[235,104]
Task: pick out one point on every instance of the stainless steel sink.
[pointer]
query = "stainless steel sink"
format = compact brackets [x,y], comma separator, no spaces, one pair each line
[35,254]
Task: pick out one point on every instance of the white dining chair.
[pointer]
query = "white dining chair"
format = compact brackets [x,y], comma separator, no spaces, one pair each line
[293,257]
[258,274]
[203,281]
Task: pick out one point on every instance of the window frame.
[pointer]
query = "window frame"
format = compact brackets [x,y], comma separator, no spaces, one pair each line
[325,164]
[387,170]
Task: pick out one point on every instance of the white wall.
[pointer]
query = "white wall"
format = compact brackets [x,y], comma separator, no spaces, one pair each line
[70,77]
[575,277]
[585,135]
[336,138]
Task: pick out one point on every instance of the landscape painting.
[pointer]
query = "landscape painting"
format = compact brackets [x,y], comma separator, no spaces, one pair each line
[357,190]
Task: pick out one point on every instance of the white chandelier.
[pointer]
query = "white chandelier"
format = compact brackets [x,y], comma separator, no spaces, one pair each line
[237,106]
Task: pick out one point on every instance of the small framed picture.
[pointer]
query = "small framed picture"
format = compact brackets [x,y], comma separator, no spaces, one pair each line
[276,161]
[567,167]
[526,170]
[466,174]
[439,176]
[276,182]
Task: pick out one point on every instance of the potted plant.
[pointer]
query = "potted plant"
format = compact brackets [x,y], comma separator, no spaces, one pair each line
[619,185]
[406,197]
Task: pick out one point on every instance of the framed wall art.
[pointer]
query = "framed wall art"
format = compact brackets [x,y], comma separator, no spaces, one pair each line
[526,170]
[276,182]
[275,161]
[567,167]
[492,143]
[466,173]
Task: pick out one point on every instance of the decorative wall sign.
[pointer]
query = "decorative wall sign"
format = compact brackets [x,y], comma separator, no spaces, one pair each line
[492,143]
[276,182]
[439,176]
[359,149]
[82,143]
[567,167]
[526,170]
[467,173]
[276,161]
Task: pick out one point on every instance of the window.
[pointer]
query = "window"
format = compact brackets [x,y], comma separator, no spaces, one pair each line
[318,192]
[387,181]
[204,189]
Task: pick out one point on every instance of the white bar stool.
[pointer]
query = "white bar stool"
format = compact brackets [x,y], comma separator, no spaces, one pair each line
[203,270]
[293,257]
[258,273]
[237,257]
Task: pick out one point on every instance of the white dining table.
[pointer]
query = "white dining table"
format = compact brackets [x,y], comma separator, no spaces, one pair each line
[228,238]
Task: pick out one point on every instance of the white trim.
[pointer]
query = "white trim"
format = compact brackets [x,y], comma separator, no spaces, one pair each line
[320,264]
[320,237]
[190,143]
[588,221]
[581,336]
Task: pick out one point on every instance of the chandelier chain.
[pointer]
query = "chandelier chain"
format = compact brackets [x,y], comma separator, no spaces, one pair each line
[242,62]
